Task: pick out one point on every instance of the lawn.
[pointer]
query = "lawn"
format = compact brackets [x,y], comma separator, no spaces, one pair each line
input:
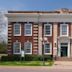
[27,63]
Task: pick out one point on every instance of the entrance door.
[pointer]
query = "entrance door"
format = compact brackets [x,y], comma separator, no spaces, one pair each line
[64,49]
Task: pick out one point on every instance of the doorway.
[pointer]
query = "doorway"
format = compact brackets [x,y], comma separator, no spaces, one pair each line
[64,49]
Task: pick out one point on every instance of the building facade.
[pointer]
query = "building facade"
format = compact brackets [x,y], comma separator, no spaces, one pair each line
[38,32]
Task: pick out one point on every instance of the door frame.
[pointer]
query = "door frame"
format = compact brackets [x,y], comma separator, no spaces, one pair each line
[64,49]
[59,49]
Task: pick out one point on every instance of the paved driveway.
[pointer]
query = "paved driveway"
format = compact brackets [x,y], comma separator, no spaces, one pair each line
[35,69]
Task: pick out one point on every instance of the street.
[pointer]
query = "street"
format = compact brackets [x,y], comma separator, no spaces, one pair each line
[35,69]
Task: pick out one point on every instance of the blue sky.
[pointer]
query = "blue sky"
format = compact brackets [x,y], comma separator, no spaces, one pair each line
[35,4]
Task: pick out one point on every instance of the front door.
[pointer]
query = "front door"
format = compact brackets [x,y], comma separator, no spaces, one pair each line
[64,49]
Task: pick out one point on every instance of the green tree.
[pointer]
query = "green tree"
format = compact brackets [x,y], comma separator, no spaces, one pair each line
[3,47]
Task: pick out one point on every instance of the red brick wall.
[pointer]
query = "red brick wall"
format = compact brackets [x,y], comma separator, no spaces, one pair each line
[49,38]
[22,38]
[69,24]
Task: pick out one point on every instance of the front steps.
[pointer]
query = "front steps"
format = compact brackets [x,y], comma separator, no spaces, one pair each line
[63,59]
[63,63]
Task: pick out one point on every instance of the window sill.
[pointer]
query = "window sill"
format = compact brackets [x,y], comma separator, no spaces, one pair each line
[47,53]
[64,35]
[27,35]
[28,53]
[16,53]
[47,35]
[17,35]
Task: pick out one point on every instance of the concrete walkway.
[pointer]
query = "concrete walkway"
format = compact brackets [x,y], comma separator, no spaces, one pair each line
[63,63]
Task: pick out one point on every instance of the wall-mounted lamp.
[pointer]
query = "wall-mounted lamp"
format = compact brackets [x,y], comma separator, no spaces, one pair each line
[55,44]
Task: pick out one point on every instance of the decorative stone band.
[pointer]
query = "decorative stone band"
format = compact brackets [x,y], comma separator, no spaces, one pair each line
[35,39]
[39,41]
[9,38]
[38,17]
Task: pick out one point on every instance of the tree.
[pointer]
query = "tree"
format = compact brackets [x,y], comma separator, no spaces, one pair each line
[3,27]
[3,47]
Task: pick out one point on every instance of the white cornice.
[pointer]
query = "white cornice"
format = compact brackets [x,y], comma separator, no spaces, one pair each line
[38,17]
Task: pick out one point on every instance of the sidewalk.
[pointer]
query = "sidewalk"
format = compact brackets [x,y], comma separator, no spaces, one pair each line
[62,64]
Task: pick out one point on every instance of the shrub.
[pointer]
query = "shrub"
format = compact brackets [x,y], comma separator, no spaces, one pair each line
[4,58]
[48,57]
[10,58]
[26,58]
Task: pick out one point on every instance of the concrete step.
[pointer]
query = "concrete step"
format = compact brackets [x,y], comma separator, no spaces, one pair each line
[63,63]
[63,59]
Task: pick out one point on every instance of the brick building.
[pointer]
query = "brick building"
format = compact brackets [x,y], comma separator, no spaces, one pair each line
[32,31]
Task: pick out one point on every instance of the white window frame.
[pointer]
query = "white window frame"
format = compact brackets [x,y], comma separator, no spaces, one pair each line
[14,49]
[25,29]
[31,47]
[14,29]
[61,30]
[50,29]
[50,49]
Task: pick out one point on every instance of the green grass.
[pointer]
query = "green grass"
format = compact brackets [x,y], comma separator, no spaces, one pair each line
[26,63]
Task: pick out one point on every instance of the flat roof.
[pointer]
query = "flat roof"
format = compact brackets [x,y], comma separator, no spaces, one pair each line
[63,10]
[33,12]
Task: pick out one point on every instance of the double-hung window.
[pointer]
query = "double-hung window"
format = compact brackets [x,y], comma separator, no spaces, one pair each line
[28,29]
[17,29]
[47,48]
[47,29]
[28,47]
[16,47]
[63,29]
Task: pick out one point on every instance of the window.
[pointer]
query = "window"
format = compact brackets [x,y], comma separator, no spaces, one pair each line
[28,29]
[47,29]
[28,47]
[47,48]
[64,29]
[17,29]
[16,47]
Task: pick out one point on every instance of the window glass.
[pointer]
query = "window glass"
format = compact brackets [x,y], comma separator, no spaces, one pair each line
[28,47]
[47,48]
[64,29]
[17,29]
[28,29]
[47,29]
[16,47]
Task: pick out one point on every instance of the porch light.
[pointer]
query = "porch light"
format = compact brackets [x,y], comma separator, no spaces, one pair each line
[43,39]
[55,44]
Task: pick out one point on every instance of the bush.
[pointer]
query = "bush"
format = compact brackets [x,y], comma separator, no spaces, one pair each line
[3,48]
[26,58]
[10,58]
[29,57]
[4,58]
[48,57]
[38,57]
